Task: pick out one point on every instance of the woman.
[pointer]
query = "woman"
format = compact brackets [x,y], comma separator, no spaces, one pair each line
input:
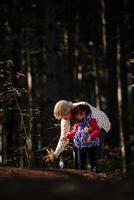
[63,111]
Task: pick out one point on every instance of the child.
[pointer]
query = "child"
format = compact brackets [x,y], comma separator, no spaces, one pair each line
[85,135]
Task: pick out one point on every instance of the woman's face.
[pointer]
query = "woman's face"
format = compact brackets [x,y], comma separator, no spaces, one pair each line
[67,116]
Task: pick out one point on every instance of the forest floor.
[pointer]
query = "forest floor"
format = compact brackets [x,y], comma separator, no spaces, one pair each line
[62,184]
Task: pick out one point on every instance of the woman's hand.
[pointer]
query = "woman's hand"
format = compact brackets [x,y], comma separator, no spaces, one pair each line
[50,157]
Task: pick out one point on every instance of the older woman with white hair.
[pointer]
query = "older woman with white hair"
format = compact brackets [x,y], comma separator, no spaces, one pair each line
[63,111]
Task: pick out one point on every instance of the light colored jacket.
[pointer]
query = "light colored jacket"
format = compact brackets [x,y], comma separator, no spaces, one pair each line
[101,118]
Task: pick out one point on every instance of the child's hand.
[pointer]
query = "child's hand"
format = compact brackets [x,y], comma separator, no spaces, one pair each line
[89,139]
[88,129]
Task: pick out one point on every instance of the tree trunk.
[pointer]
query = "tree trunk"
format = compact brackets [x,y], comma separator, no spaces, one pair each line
[120,101]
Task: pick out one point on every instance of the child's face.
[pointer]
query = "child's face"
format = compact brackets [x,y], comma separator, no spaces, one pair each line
[80,116]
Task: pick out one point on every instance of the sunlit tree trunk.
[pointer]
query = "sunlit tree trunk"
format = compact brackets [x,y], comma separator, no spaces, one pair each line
[29,80]
[78,67]
[104,40]
[26,123]
[28,147]
[103,21]
[96,74]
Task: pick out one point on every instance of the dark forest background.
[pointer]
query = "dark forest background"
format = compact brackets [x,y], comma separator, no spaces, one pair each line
[64,49]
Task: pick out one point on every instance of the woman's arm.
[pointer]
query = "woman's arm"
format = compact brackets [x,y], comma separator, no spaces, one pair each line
[62,143]
[101,118]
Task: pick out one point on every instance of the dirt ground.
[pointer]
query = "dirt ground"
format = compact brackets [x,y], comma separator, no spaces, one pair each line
[62,184]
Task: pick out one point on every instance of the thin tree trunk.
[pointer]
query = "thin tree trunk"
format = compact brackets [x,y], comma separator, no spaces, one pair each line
[96,49]
[4,147]
[103,20]
[119,97]
[1,127]
[29,81]
[96,85]
[111,64]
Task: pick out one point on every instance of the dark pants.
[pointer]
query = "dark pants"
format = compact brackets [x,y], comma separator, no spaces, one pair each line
[84,155]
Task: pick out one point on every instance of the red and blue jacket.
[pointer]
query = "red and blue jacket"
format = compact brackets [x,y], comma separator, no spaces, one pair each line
[80,137]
